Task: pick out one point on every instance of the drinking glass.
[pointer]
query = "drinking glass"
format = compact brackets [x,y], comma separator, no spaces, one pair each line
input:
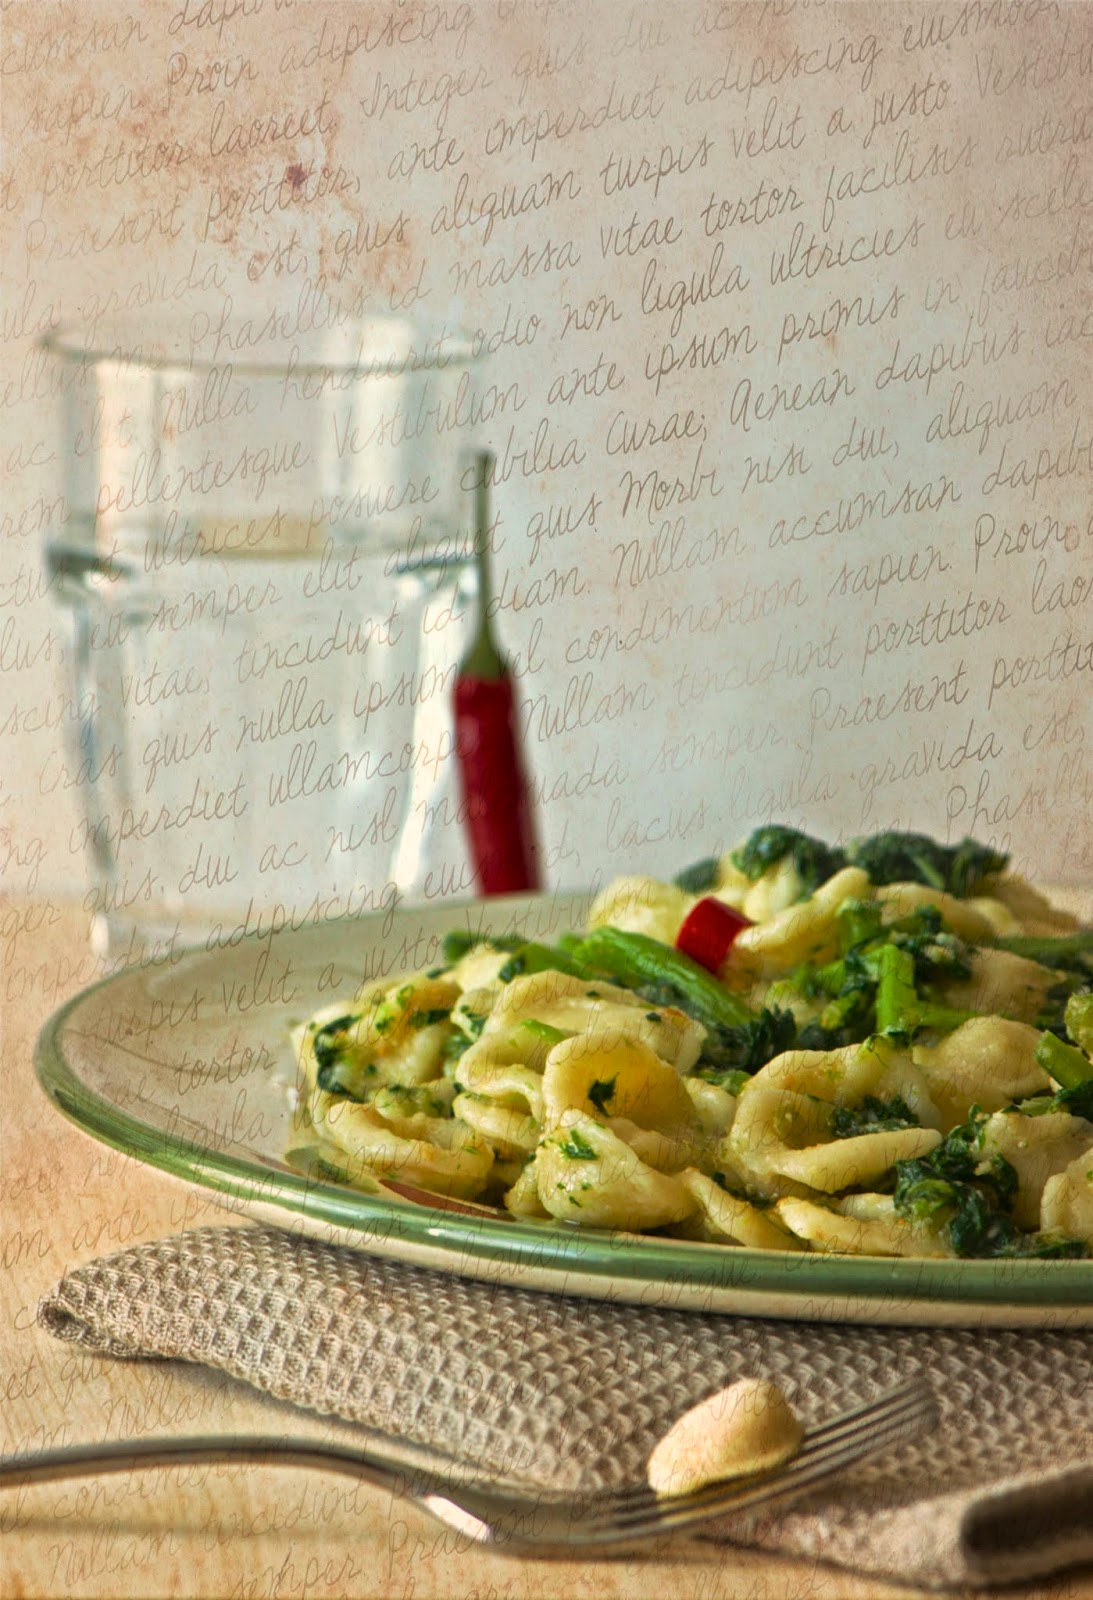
[267,567]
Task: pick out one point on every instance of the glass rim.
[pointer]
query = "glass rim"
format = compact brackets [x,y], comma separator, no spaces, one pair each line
[160,345]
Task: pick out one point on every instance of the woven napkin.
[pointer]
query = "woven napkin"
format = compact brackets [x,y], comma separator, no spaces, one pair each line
[571,1393]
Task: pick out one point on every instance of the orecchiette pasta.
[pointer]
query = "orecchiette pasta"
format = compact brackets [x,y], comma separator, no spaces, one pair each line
[586,1172]
[1066,1205]
[873,1229]
[431,1152]
[861,1065]
[641,904]
[1002,981]
[987,1061]
[785,1115]
[1037,1148]
[729,1216]
[802,932]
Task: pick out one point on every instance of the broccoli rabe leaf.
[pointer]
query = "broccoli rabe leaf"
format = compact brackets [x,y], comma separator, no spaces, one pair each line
[532,957]
[814,1036]
[971,1198]
[901,1012]
[814,861]
[601,1091]
[331,1040]
[873,1115]
[1052,1015]
[459,941]
[336,1071]
[938,956]
[915,858]
[455,1045]
[728,1052]
[857,921]
[881,982]
[576,1147]
[1069,1066]
[429,1018]
[698,877]
[1069,999]
[847,1018]
[1070,952]
[1078,1018]
[1078,1101]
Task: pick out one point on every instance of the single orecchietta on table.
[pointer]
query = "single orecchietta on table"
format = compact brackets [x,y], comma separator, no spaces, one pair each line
[879,1048]
[746,1428]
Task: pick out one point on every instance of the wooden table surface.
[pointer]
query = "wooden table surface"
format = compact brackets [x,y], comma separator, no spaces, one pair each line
[212,1531]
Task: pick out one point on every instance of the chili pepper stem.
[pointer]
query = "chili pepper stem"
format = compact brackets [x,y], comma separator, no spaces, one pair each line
[483,658]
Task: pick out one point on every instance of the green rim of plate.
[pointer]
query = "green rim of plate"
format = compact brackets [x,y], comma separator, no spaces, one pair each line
[640,1260]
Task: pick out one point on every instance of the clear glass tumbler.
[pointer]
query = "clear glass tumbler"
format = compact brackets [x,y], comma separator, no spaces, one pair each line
[267,564]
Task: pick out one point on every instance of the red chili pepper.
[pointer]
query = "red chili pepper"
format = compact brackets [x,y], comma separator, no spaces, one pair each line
[709,931]
[494,791]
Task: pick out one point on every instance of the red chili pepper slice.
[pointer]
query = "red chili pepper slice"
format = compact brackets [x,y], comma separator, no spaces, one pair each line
[708,932]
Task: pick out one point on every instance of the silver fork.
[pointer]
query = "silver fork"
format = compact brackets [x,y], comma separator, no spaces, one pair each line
[517,1517]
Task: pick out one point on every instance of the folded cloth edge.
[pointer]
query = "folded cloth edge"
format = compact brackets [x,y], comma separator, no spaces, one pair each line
[1006,1534]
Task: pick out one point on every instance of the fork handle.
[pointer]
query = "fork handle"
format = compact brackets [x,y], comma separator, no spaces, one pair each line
[121,1455]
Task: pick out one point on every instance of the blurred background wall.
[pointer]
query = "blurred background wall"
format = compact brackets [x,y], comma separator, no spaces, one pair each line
[788,316]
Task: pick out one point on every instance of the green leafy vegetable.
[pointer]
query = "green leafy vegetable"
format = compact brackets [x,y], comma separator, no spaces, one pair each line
[460,941]
[601,1091]
[337,1071]
[331,1039]
[939,957]
[857,922]
[577,1148]
[427,1019]
[915,858]
[1078,1101]
[1079,1021]
[971,1198]
[730,1054]
[543,1030]
[1069,1066]
[900,1010]
[1072,952]
[699,877]
[532,957]
[881,983]
[873,1115]
[813,860]
[637,961]
[1071,958]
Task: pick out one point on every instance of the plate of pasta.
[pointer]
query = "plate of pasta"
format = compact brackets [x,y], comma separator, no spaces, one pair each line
[842,1082]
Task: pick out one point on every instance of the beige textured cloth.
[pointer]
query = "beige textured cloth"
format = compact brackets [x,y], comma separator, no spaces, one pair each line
[573,1393]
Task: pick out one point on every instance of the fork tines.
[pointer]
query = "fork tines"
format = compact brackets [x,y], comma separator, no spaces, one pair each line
[865,1431]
